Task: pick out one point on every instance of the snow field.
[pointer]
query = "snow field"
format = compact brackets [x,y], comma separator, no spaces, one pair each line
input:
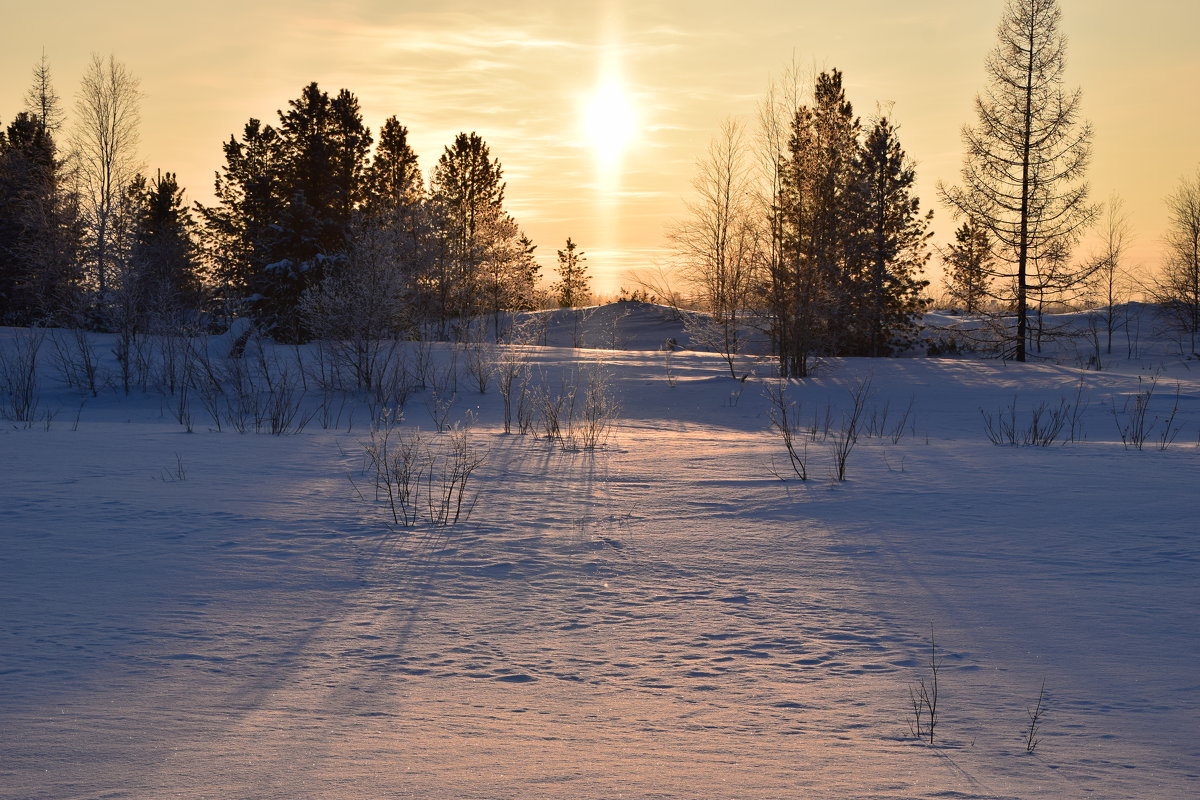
[659,617]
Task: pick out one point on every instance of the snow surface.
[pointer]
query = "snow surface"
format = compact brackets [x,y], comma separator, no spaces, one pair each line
[663,617]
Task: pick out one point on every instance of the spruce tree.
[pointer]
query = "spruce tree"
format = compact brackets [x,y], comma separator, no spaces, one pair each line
[393,178]
[571,290]
[889,248]
[287,198]
[163,271]
[39,272]
[969,266]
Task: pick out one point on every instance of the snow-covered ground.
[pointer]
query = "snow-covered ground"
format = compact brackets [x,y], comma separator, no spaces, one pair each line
[225,615]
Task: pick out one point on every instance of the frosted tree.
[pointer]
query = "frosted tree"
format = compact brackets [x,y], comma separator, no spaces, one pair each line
[1026,155]
[467,189]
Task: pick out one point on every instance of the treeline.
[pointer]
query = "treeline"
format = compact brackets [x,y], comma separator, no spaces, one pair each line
[317,228]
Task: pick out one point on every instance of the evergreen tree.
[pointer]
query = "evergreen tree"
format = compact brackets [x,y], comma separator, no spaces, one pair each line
[849,240]
[287,199]
[890,248]
[811,288]
[393,178]
[468,200]
[242,229]
[969,266]
[39,276]
[571,290]
[162,275]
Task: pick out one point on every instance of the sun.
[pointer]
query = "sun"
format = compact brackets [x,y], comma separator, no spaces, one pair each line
[610,123]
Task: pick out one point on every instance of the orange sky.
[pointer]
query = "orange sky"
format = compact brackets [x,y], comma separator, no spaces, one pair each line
[522,73]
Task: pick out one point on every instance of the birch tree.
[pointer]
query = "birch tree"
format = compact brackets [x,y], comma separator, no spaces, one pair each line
[105,144]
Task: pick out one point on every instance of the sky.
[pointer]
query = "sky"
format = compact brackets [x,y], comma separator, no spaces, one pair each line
[526,76]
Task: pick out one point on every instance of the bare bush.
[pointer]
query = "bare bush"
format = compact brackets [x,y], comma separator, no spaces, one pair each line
[420,477]
[597,412]
[554,409]
[396,461]
[783,414]
[449,476]
[1033,732]
[480,357]
[923,697]
[1134,423]
[846,436]
[76,360]
[439,405]
[1043,427]
[19,378]
[880,424]
[526,406]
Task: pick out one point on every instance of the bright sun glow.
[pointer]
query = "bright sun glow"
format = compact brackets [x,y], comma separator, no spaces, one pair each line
[610,123]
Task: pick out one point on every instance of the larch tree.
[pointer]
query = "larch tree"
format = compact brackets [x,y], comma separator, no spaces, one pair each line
[1026,155]
[42,100]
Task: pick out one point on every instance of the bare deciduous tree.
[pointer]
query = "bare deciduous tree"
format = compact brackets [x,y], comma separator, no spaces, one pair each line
[719,244]
[105,143]
[1178,286]
[1109,281]
[1022,175]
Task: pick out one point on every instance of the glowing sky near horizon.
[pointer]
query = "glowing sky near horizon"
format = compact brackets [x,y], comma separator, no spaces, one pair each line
[598,111]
